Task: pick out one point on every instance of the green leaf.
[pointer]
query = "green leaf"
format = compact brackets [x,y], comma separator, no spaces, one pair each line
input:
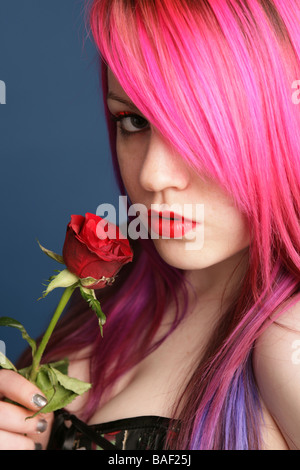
[71,383]
[25,372]
[57,396]
[44,382]
[60,399]
[62,365]
[59,389]
[51,254]
[5,363]
[7,321]
[94,304]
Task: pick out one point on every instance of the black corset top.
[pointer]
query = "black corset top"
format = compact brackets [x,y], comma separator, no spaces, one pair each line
[137,433]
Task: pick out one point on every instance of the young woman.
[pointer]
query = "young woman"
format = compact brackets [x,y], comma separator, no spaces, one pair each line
[201,349]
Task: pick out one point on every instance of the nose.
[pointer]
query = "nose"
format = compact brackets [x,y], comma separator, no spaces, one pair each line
[162,167]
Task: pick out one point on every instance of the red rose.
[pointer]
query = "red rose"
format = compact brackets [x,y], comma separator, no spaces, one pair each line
[86,255]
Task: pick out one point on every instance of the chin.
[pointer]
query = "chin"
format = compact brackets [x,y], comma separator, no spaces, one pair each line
[176,254]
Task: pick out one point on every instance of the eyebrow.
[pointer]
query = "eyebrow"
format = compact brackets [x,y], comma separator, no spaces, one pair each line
[113,96]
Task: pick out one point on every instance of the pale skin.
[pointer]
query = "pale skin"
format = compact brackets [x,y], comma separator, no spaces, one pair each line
[153,173]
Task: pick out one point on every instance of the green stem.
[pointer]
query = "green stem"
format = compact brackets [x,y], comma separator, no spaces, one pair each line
[59,310]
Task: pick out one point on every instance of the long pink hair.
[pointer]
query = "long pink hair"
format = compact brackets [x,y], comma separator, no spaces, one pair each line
[215,78]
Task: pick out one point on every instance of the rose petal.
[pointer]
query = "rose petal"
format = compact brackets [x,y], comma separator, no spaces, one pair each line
[87,255]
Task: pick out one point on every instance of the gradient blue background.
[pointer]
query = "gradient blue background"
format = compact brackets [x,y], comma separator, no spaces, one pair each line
[55,158]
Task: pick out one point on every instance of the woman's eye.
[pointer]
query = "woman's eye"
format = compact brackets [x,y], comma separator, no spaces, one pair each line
[130,123]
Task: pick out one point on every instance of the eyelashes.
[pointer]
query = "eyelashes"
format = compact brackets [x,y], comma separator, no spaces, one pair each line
[130,123]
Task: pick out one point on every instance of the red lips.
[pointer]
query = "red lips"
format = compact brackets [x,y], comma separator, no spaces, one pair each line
[168,224]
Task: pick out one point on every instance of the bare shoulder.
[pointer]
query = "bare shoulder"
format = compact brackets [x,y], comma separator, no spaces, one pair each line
[276,363]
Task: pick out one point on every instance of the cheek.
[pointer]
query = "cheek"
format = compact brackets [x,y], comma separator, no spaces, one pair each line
[130,166]
[230,230]
[226,229]
[222,212]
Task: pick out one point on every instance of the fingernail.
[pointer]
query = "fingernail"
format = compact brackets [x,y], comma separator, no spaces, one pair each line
[38,446]
[39,400]
[42,426]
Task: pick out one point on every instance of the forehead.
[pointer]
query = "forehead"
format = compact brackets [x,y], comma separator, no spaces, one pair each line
[116,94]
[114,85]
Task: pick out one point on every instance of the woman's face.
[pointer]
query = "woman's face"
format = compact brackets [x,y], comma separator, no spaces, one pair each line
[153,173]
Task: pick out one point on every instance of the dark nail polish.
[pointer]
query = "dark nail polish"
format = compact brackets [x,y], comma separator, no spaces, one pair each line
[39,400]
[38,446]
[42,425]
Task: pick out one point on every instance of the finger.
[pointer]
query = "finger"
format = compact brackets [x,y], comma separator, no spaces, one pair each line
[18,389]
[13,419]
[44,437]
[12,441]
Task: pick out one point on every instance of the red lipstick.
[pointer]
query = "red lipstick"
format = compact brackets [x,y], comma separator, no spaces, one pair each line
[168,224]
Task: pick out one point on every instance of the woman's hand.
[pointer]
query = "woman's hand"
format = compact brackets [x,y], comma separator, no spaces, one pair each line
[17,433]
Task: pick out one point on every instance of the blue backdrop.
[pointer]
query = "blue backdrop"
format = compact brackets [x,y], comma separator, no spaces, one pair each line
[55,158]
